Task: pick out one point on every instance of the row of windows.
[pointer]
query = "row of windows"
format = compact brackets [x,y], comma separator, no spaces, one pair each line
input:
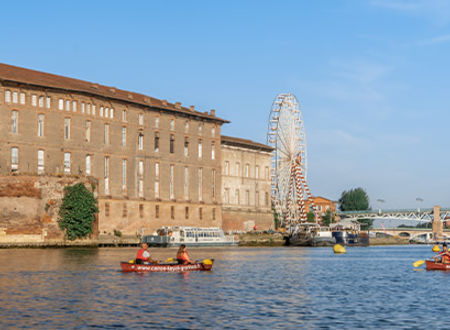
[157,208]
[227,170]
[89,109]
[237,200]
[67,166]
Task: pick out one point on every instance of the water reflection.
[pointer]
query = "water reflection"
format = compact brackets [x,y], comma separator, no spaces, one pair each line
[373,287]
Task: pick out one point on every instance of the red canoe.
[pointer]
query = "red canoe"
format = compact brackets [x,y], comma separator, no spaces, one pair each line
[431,265]
[170,268]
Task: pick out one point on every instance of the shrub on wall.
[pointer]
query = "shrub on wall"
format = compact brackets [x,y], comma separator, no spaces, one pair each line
[77,212]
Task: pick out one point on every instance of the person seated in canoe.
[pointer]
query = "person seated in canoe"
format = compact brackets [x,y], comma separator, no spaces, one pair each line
[183,256]
[143,256]
[445,255]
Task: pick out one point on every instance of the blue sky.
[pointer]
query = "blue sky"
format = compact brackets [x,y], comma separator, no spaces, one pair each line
[372,76]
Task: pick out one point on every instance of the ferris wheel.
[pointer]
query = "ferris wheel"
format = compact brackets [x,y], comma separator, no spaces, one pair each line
[286,134]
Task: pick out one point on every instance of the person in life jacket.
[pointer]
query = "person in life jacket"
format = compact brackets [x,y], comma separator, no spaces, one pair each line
[445,255]
[183,256]
[143,256]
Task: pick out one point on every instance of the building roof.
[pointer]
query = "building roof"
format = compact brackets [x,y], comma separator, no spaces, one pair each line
[14,74]
[244,143]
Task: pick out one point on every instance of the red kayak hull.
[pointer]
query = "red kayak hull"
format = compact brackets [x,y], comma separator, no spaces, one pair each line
[168,268]
[431,265]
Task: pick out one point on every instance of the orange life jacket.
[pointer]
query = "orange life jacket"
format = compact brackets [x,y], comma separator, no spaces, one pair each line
[140,255]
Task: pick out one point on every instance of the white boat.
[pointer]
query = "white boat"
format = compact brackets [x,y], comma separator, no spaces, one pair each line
[189,236]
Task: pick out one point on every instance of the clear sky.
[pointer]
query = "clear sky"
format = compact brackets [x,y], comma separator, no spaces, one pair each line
[372,76]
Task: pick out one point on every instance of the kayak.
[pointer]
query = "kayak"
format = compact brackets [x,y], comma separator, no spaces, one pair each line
[205,265]
[431,265]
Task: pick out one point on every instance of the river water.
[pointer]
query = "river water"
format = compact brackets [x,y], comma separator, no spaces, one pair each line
[250,288]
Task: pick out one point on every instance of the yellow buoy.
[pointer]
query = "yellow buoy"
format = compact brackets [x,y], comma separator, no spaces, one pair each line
[436,248]
[338,248]
[207,261]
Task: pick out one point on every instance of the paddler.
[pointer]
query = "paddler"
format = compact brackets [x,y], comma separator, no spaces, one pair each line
[445,255]
[143,256]
[183,256]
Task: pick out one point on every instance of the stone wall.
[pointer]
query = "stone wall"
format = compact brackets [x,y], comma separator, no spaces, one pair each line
[29,209]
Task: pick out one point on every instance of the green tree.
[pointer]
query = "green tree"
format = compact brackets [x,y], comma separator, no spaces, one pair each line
[77,212]
[311,217]
[354,200]
[366,224]
[328,218]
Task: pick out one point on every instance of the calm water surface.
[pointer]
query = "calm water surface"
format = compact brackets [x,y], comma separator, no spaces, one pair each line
[374,287]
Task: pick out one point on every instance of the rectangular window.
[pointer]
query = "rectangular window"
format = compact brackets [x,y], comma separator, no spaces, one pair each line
[156,122]
[172,125]
[88,164]
[40,168]
[257,172]
[124,115]
[83,107]
[22,98]
[172,212]
[156,180]
[266,172]
[186,212]
[238,200]
[88,109]
[157,211]
[48,102]
[247,197]
[106,209]
[200,128]
[8,96]
[200,149]
[124,210]
[200,213]
[266,198]
[238,169]
[67,162]
[93,109]
[186,127]
[247,166]
[67,105]
[200,184]
[106,174]
[141,179]
[15,97]
[141,210]
[74,106]
[14,159]
[67,128]
[213,188]
[14,121]
[107,112]
[257,199]
[106,133]
[141,119]
[171,189]
[226,196]
[172,144]
[186,147]
[213,151]
[88,131]
[40,130]
[124,174]
[213,132]
[227,168]
[41,101]
[186,183]
[141,141]
[156,142]
[101,112]
[124,136]
[61,104]
[33,100]
[112,113]
[214,214]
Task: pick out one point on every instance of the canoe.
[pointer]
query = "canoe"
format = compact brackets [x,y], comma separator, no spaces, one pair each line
[168,268]
[431,265]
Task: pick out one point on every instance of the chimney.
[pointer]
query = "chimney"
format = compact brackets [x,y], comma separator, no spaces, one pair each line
[212,112]
[164,102]
[178,105]
[192,108]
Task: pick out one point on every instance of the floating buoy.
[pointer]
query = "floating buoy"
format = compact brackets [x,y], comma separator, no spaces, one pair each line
[207,261]
[436,248]
[338,248]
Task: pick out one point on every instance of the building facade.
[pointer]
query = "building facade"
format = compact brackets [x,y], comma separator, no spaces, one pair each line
[246,183]
[156,163]
[322,205]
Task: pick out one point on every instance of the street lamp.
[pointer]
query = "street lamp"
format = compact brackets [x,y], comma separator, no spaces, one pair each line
[420,200]
[380,201]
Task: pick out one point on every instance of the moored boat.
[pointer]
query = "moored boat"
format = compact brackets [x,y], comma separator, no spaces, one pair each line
[205,265]
[311,234]
[432,265]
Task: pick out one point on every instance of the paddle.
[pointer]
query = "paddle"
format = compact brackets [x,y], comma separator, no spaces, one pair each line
[419,263]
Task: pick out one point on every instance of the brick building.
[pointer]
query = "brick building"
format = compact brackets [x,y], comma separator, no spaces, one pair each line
[322,205]
[245,184]
[156,163]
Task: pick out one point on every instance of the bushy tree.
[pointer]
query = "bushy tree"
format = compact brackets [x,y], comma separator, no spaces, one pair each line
[311,217]
[328,217]
[77,212]
[354,200]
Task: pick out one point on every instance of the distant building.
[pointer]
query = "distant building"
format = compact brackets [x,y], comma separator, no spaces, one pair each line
[245,185]
[322,205]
